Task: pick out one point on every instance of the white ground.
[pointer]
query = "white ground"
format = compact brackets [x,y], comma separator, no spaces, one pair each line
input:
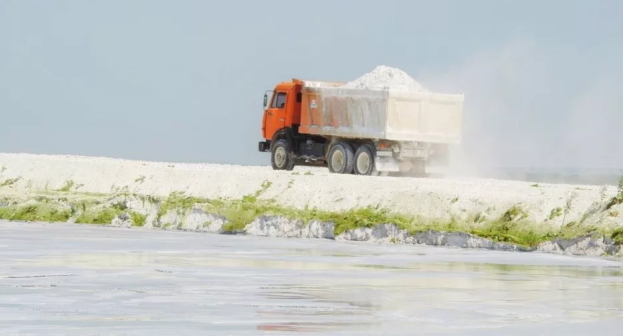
[429,198]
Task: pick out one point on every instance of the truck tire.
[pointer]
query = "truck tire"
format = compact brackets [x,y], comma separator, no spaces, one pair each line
[341,158]
[280,157]
[419,168]
[364,161]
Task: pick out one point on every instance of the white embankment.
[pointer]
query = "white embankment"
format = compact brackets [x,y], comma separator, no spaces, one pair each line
[460,200]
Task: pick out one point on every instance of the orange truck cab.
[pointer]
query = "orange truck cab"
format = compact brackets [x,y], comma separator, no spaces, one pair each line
[284,110]
[280,129]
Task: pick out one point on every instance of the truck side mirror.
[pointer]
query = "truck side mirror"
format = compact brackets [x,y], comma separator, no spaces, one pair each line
[265,100]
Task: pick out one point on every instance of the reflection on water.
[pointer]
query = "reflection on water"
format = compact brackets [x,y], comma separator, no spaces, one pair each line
[301,327]
[260,285]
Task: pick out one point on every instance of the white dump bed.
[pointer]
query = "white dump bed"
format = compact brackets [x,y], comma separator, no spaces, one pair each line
[333,110]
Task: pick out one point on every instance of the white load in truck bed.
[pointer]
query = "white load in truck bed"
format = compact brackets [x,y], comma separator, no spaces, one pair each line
[333,110]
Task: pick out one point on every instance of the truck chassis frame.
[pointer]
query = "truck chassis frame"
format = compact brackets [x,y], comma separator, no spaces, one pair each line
[374,157]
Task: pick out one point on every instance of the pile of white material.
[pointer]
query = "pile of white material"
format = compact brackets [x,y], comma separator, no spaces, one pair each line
[384,77]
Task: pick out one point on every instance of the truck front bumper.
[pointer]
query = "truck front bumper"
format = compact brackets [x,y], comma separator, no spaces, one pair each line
[264,146]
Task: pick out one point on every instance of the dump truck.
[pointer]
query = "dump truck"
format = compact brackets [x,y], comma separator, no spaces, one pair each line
[359,131]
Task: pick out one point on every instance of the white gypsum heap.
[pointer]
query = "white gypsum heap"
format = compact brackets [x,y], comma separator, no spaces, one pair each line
[384,77]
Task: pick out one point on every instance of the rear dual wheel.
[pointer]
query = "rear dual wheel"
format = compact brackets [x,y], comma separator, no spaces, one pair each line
[364,161]
[341,158]
[419,168]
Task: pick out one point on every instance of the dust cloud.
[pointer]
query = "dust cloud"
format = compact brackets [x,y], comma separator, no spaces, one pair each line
[535,107]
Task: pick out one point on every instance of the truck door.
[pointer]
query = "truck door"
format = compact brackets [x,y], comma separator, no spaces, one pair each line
[275,115]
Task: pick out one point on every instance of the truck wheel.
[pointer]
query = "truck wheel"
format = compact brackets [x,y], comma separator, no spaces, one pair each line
[364,161]
[341,158]
[280,156]
[419,168]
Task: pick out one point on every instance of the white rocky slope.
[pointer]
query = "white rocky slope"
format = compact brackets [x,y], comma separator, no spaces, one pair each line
[462,200]
[442,199]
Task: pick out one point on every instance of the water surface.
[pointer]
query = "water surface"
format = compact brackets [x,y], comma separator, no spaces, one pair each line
[86,280]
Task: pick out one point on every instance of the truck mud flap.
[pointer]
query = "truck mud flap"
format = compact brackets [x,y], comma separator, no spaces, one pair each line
[386,164]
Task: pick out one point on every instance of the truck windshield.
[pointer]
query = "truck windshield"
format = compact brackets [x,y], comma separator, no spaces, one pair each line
[279,101]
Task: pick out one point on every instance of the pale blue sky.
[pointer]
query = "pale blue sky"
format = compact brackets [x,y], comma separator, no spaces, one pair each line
[184,80]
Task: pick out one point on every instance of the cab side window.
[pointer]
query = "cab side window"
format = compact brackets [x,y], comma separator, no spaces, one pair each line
[279,101]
